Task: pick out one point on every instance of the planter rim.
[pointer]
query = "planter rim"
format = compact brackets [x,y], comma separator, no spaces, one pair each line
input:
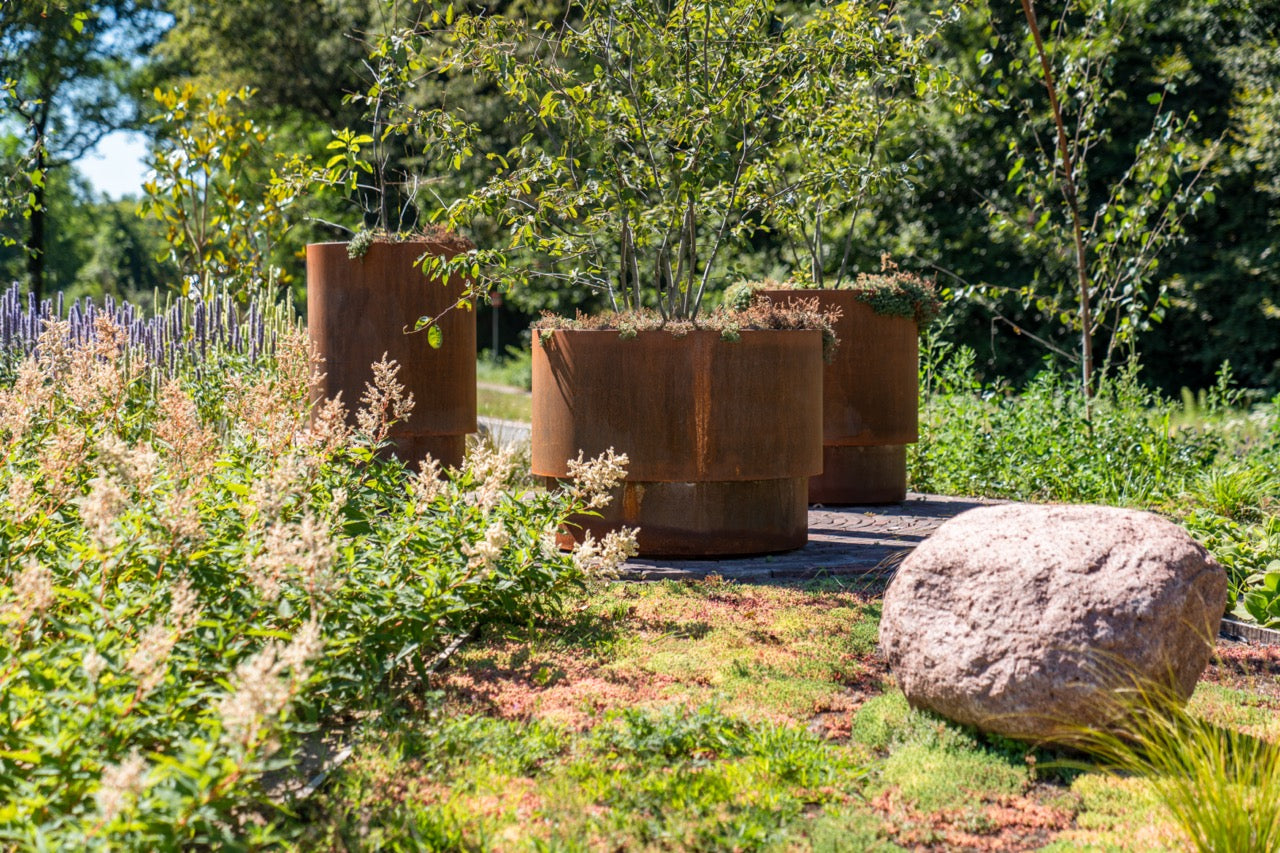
[690,410]
[428,242]
[628,336]
[416,241]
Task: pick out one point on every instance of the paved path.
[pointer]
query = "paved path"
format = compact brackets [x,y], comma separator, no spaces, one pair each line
[859,542]
[503,432]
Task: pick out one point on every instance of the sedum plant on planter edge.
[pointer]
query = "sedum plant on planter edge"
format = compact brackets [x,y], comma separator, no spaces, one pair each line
[893,292]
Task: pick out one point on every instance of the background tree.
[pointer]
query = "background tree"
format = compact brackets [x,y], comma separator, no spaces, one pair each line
[1100,236]
[67,67]
[1216,282]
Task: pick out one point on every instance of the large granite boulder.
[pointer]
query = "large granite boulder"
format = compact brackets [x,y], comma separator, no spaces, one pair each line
[1019,618]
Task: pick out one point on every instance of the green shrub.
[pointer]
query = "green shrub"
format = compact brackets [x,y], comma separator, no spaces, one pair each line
[197,574]
[978,439]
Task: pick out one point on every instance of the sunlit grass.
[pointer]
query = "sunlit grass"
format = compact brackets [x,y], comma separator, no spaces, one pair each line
[507,406]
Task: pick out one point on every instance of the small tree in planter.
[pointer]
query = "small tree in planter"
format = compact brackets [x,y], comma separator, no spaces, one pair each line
[650,122]
[366,296]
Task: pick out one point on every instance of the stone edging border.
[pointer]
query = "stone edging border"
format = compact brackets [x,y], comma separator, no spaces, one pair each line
[1251,634]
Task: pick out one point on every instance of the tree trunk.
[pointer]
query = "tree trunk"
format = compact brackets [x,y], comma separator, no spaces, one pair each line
[35,235]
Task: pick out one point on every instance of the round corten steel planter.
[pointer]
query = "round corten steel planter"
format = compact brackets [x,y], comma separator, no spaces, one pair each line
[722,435]
[360,308]
[870,401]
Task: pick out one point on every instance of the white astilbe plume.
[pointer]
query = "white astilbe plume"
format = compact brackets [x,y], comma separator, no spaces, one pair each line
[284,483]
[150,659]
[427,484]
[93,665]
[328,430]
[23,401]
[595,479]
[60,459]
[485,553]
[181,515]
[21,498]
[264,684]
[549,542]
[32,593]
[604,557]
[384,400]
[188,446]
[491,467]
[305,549]
[337,502]
[120,784]
[99,510]
[137,464]
[54,347]
[183,606]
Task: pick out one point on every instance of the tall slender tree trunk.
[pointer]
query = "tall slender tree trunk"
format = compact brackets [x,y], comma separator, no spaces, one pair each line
[1072,197]
[35,233]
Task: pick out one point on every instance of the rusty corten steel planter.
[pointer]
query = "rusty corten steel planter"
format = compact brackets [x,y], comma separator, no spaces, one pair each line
[870,402]
[722,435]
[358,309]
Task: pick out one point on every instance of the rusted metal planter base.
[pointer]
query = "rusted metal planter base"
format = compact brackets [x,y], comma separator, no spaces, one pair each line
[869,402]
[706,519]
[876,474]
[722,435]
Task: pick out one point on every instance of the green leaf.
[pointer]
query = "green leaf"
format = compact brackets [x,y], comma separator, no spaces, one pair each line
[435,337]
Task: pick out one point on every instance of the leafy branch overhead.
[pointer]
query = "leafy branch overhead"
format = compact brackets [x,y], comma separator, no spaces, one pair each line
[659,136]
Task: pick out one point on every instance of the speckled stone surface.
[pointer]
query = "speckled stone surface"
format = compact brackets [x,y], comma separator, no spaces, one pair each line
[862,542]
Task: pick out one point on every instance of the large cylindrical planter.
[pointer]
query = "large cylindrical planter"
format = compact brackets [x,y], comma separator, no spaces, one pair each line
[360,308]
[722,435]
[870,402]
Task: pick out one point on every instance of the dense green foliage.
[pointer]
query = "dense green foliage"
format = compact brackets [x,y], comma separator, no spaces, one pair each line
[934,180]
[1213,464]
[1211,296]
[197,571]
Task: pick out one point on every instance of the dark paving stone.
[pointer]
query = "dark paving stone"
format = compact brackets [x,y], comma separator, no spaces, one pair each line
[865,543]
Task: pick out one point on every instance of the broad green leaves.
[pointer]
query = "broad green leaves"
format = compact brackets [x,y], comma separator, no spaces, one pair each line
[222,205]
[664,134]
